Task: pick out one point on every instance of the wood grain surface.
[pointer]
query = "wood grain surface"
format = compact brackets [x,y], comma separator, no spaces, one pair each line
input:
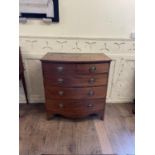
[76,80]
[75,108]
[76,57]
[94,68]
[75,77]
[87,136]
[75,93]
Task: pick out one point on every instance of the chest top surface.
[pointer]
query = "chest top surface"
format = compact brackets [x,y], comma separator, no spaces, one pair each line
[75,57]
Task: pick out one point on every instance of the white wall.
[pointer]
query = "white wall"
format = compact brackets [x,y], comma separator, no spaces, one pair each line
[88,18]
[92,26]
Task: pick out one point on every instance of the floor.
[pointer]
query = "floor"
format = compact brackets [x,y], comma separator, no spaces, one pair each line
[114,135]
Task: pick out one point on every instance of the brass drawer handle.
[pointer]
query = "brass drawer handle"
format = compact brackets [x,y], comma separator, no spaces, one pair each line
[92,69]
[61,105]
[91,93]
[90,105]
[61,93]
[60,69]
[60,80]
[92,80]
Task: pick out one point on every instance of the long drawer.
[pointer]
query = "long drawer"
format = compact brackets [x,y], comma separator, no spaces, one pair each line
[75,107]
[75,93]
[66,68]
[76,80]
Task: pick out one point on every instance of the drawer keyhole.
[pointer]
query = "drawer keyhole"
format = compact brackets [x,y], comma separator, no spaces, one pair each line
[61,105]
[61,93]
[60,69]
[90,105]
[60,80]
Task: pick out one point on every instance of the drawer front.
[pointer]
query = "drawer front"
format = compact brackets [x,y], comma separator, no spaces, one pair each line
[76,80]
[92,68]
[75,107]
[75,93]
[57,68]
[64,69]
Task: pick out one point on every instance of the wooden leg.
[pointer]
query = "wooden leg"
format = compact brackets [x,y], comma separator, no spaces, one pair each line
[25,88]
[48,116]
[101,116]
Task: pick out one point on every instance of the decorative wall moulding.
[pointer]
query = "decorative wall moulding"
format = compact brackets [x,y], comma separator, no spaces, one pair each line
[121,77]
[54,44]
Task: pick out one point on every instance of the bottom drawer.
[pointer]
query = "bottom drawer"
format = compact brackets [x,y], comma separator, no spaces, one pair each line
[75,107]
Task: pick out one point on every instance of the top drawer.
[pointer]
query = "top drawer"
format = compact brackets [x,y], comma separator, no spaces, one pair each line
[82,68]
[93,68]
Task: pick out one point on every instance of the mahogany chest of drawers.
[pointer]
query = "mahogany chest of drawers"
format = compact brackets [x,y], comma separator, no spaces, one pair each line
[75,84]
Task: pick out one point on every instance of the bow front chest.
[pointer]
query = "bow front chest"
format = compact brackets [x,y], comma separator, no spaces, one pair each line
[75,84]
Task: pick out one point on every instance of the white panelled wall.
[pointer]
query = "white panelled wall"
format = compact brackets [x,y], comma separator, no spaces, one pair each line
[86,26]
[121,79]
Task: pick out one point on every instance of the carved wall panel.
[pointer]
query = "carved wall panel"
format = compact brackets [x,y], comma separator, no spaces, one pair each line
[121,78]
